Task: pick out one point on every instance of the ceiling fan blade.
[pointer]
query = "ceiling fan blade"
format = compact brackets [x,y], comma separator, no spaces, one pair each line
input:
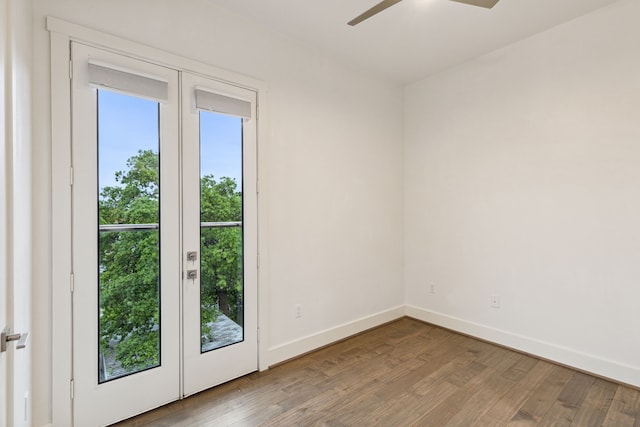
[482,3]
[373,11]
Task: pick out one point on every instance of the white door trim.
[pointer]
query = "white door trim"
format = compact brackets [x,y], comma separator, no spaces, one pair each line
[5,369]
[61,34]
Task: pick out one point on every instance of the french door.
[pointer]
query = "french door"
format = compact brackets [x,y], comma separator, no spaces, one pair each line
[219,232]
[164,235]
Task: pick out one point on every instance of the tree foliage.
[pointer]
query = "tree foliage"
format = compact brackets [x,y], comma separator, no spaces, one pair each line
[221,249]
[129,261]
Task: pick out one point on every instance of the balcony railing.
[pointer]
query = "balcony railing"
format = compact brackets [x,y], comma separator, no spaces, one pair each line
[142,227]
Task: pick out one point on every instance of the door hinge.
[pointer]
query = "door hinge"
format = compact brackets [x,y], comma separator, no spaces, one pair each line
[70,70]
[257,186]
[71,176]
[72,283]
[258,260]
[71,389]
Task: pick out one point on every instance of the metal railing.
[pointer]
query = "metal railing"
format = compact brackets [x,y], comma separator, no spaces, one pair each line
[221,224]
[142,227]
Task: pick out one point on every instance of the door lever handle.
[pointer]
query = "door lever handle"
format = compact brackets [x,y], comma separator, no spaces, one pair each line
[22,340]
[6,337]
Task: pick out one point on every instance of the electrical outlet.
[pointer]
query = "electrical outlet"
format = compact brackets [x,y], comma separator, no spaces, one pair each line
[297,311]
[432,289]
[495,301]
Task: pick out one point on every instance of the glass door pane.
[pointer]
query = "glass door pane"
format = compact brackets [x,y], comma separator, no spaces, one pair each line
[129,235]
[221,232]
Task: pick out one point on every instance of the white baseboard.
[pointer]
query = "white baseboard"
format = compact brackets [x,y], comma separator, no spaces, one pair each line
[616,371]
[295,348]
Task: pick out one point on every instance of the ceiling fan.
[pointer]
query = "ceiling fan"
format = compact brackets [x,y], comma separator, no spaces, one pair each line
[388,3]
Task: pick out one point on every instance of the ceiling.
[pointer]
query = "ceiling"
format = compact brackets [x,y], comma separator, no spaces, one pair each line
[414,38]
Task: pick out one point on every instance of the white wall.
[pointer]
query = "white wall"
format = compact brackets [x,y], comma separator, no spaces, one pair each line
[523,181]
[333,161]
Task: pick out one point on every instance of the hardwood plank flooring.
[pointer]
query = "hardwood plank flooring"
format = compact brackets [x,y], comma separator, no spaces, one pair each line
[407,373]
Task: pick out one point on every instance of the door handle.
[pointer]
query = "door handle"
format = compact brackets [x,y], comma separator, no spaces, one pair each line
[6,336]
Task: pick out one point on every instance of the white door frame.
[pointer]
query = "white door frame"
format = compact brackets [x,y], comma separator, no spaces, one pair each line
[5,370]
[15,209]
[61,34]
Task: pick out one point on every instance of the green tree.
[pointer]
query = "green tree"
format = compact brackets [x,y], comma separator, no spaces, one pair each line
[221,249]
[129,262]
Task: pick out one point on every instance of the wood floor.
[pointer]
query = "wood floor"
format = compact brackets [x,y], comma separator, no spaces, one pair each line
[408,373]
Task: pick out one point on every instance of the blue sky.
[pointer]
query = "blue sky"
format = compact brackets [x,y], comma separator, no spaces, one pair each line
[221,146]
[128,124]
